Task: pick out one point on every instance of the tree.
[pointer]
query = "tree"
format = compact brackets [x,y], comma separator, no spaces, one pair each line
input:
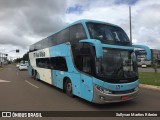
[18,60]
[26,56]
[155,60]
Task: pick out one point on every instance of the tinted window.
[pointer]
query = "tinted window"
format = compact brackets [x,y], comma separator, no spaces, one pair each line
[84,63]
[43,62]
[63,36]
[77,33]
[87,64]
[78,62]
[38,45]
[108,33]
[59,63]
[44,43]
[73,34]
[52,40]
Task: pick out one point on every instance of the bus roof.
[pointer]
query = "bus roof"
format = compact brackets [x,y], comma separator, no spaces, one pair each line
[88,20]
[79,21]
[83,21]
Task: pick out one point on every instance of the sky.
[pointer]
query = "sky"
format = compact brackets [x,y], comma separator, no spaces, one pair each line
[24,22]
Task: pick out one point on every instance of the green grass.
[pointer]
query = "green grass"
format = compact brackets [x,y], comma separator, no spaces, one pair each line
[149,78]
[1,67]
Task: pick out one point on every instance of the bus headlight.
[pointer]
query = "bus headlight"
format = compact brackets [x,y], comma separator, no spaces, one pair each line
[136,89]
[103,90]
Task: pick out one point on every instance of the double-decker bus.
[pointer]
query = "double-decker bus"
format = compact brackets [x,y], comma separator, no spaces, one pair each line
[90,59]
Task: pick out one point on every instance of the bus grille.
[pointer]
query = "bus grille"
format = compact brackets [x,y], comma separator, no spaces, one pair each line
[123,92]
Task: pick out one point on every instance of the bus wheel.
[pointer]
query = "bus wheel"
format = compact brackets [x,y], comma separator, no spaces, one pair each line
[68,88]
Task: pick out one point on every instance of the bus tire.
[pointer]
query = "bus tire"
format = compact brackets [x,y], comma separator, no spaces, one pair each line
[68,88]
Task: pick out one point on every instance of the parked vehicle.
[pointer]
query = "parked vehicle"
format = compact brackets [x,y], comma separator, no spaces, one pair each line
[17,65]
[143,65]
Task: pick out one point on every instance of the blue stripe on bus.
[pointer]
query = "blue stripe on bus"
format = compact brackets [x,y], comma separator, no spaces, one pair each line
[117,47]
[83,90]
[116,87]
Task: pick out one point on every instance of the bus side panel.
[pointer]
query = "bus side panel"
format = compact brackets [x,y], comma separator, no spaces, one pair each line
[32,59]
[54,81]
[44,75]
[58,80]
[76,83]
[30,69]
[59,50]
[86,87]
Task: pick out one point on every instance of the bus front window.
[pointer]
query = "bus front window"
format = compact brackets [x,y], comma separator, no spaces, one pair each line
[108,34]
[117,64]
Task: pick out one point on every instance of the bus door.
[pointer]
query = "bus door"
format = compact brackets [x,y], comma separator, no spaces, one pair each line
[86,79]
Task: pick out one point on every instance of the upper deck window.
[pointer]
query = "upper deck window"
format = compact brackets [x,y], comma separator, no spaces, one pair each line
[108,34]
[77,33]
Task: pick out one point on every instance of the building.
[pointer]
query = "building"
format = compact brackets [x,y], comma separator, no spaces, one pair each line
[141,56]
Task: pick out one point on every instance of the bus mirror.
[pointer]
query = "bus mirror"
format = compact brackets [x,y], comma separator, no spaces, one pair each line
[97,44]
[146,48]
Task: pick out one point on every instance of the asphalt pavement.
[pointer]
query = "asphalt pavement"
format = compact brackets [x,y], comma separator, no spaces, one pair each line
[20,92]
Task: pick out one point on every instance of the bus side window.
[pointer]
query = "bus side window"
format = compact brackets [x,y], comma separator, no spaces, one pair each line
[44,43]
[77,33]
[43,63]
[59,63]
[78,62]
[52,40]
[63,36]
[87,64]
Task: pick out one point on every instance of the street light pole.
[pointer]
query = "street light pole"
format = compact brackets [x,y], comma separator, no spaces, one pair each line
[17,51]
[2,55]
[130,23]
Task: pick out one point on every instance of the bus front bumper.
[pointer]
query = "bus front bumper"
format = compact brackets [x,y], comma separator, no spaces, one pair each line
[102,98]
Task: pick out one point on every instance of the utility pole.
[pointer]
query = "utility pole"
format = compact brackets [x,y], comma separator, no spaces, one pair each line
[130,24]
[3,56]
[0,59]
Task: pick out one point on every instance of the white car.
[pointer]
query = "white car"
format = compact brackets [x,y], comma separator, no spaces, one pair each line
[144,66]
[23,67]
[17,65]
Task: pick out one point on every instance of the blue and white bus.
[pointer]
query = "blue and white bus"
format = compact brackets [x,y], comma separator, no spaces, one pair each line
[90,59]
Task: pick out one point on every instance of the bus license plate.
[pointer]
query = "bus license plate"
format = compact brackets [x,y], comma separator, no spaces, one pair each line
[124,98]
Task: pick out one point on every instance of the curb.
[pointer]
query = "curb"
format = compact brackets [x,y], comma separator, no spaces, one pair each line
[149,87]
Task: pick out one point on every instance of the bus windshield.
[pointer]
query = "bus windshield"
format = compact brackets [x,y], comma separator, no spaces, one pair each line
[117,64]
[107,33]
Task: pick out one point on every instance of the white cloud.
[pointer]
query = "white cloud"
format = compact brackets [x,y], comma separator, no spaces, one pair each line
[145,18]
[23,22]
